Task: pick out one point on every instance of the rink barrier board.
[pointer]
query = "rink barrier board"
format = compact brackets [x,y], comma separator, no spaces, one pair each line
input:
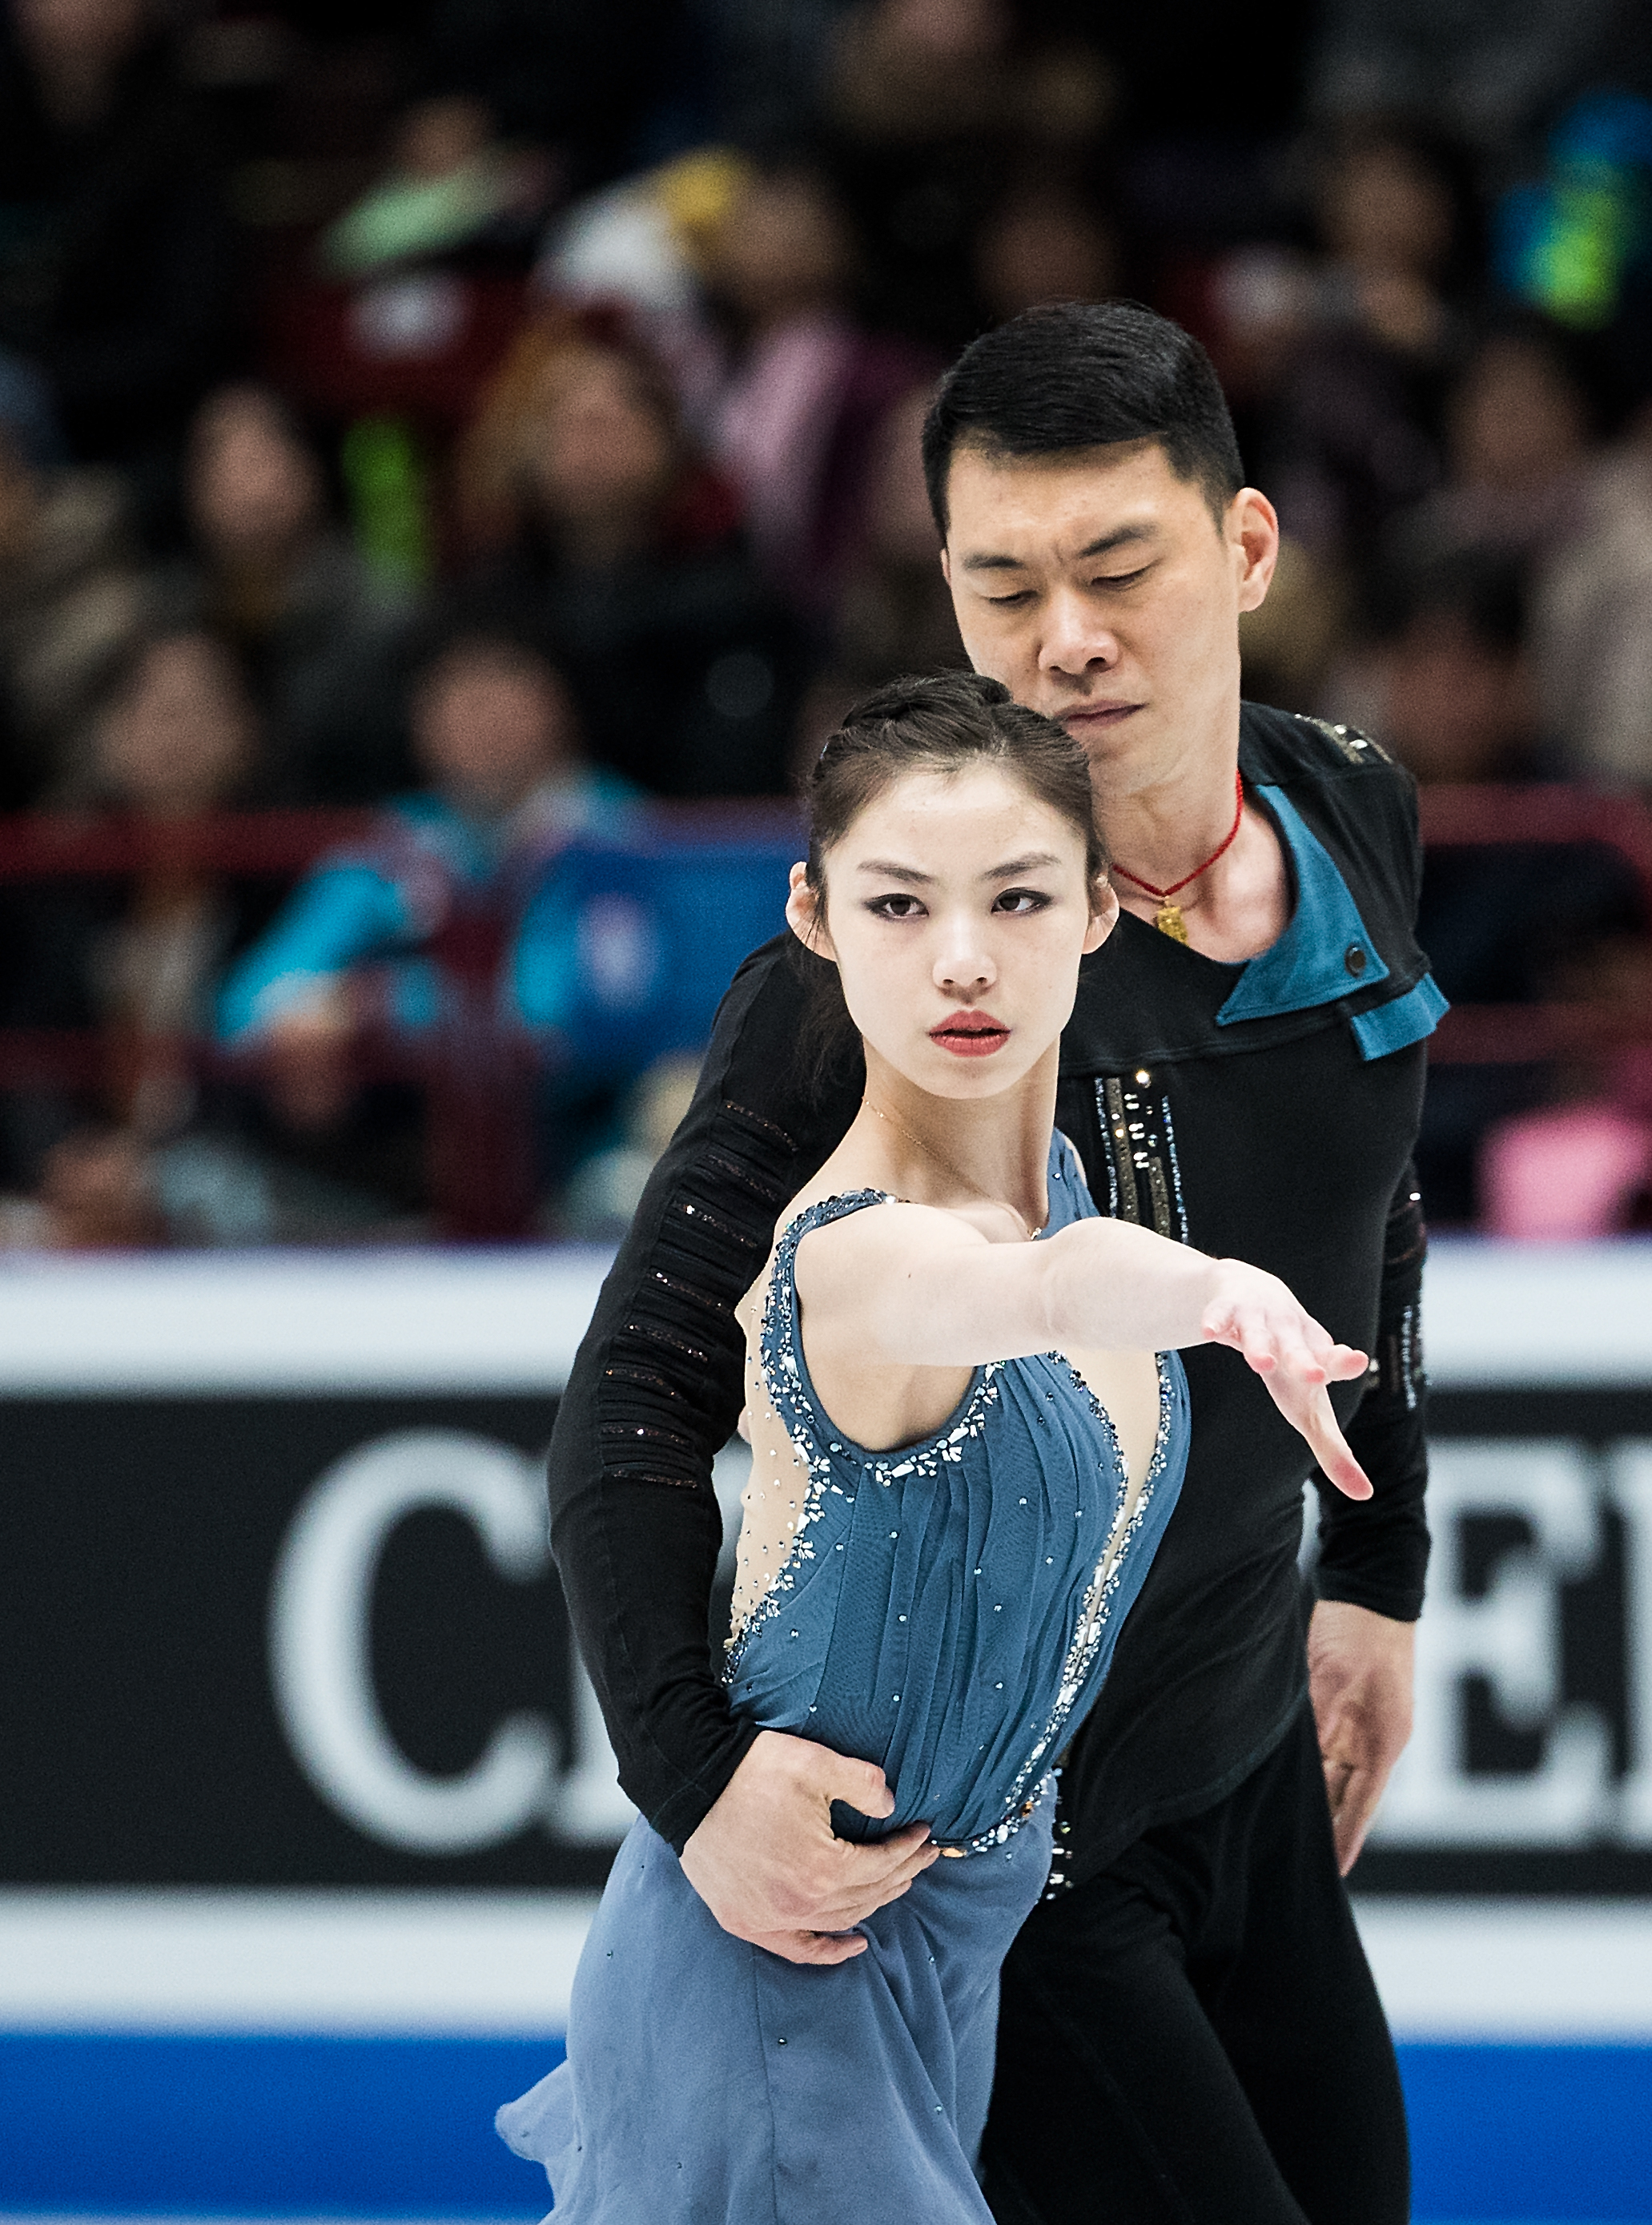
[1531,2101]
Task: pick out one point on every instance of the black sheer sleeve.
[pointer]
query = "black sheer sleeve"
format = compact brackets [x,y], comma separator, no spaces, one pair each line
[1375,1552]
[657,1386]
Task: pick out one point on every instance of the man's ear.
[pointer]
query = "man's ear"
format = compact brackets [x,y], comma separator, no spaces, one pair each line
[1103,917]
[805,915]
[946,564]
[1253,530]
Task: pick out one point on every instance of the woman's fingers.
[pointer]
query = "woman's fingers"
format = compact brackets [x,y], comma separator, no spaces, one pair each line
[1297,1359]
[1290,1339]
[1345,1362]
[1310,1412]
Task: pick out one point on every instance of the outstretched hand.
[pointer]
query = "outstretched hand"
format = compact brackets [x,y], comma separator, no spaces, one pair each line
[766,1864]
[1257,1315]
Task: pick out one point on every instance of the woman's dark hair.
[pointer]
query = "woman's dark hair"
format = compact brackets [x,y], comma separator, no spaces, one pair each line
[947,722]
[1084,375]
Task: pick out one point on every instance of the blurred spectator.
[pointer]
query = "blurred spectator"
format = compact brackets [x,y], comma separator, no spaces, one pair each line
[1450,690]
[768,59]
[1571,1173]
[583,79]
[71,603]
[894,613]
[740,274]
[1357,345]
[639,250]
[1592,618]
[1449,686]
[448,186]
[1291,642]
[179,741]
[1045,241]
[437,925]
[116,273]
[929,106]
[1518,433]
[598,1204]
[618,547]
[802,401]
[318,628]
[1485,69]
[138,962]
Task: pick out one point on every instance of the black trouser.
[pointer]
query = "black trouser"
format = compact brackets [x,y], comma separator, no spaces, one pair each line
[1192,2037]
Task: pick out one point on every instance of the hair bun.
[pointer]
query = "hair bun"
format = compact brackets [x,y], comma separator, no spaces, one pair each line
[918,692]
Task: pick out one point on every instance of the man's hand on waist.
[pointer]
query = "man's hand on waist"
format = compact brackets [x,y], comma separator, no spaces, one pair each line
[766,1864]
[1359,1667]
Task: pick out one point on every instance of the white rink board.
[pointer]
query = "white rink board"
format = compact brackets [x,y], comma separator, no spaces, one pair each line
[510,1320]
[486,1963]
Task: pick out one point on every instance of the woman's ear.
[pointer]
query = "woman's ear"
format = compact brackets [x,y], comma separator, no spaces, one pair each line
[805,914]
[1104,914]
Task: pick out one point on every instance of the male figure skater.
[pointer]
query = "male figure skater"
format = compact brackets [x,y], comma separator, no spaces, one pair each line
[1188,2029]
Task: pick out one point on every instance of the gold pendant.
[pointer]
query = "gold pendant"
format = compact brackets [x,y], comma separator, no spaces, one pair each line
[1168,921]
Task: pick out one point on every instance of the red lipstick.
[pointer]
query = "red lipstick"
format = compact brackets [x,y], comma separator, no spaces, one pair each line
[969,1034]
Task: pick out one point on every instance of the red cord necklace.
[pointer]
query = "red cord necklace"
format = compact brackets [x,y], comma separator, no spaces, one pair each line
[1169,919]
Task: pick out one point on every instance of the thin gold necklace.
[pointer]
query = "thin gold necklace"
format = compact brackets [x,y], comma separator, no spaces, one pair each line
[953,1168]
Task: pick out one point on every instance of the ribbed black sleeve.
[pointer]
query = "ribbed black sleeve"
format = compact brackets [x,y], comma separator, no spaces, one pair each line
[657,1386]
[1374,1552]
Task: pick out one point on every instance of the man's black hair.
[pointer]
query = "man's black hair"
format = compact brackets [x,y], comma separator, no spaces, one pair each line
[1083,375]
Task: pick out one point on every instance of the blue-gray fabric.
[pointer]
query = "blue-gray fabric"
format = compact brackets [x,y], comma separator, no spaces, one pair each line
[944,1614]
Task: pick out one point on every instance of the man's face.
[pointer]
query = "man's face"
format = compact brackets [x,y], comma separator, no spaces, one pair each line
[1102,590]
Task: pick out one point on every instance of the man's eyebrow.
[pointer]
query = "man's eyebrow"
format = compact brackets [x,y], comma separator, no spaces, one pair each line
[1122,536]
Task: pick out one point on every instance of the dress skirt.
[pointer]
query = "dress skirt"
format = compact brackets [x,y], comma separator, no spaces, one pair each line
[743,2090]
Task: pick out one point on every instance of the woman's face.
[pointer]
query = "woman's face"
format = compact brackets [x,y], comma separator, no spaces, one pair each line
[956,911]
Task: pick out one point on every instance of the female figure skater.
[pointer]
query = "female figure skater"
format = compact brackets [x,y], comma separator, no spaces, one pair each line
[968,1426]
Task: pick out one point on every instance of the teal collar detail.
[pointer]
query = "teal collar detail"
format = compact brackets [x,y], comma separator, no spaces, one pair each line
[1325,952]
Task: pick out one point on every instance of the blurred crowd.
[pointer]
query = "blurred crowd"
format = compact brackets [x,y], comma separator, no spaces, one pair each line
[496,420]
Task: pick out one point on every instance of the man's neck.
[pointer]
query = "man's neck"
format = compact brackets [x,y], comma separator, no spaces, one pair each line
[1164,827]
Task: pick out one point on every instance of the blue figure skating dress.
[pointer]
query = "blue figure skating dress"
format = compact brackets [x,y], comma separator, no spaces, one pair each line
[947,1611]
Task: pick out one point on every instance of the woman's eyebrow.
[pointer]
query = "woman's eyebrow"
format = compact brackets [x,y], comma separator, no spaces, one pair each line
[1036,861]
[887,872]
[887,869]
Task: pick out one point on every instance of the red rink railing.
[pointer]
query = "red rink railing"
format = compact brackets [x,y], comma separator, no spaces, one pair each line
[1552,814]
[465,1169]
